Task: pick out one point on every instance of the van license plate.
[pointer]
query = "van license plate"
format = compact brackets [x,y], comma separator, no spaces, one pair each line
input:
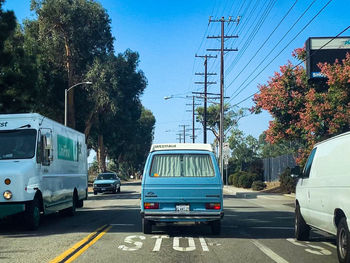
[182,208]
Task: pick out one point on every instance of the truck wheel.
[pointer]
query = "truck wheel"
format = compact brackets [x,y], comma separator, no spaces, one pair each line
[146,226]
[215,227]
[343,241]
[70,211]
[32,214]
[301,229]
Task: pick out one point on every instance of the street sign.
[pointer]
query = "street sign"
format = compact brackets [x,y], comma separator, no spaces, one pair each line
[226,150]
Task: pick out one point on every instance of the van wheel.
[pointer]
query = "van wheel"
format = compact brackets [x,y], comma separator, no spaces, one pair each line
[32,214]
[118,191]
[95,192]
[146,226]
[215,227]
[343,241]
[302,230]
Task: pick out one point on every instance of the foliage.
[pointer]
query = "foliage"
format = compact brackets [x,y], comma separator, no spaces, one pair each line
[233,179]
[267,149]
[244,149]
[213,117]
[287,182]
[245,180]
[93,171]
[302,112]
[258,185]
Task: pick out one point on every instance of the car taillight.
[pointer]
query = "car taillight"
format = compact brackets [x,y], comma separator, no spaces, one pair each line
[213,206]
[151,205]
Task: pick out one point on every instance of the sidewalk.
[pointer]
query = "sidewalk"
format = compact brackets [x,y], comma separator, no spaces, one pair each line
[249,193]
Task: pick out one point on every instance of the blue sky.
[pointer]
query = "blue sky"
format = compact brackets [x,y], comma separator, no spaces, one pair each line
[167,34]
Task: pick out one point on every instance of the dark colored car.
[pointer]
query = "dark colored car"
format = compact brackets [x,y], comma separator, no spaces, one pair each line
[107,182]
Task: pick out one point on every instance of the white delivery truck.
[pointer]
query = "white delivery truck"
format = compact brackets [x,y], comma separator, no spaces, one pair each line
[43,167]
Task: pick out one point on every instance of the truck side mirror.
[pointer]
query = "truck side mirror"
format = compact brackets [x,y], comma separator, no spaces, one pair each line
[296,172]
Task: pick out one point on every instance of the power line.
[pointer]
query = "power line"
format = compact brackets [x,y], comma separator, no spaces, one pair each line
[263,44]
[339,34]
[240,88]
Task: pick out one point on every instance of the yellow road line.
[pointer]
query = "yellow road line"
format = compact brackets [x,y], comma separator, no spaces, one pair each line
[76,250]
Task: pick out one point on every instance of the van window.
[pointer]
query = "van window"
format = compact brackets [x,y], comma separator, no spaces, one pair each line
[182,165]
[308,164]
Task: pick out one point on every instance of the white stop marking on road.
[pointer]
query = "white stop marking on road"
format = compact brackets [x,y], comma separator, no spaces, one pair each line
[132,240]
[191,244]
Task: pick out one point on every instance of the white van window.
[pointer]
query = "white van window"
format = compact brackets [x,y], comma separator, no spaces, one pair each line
[17,144]
[308,164]
[182,165]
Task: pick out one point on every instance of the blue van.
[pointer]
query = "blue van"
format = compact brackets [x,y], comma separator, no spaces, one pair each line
[181,183]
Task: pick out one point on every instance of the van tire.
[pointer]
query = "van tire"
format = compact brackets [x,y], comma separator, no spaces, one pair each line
[118,191]
[70,211]
[32,214]
[95,192]
[146,226]
[302,230]
[215,227]
[343,241]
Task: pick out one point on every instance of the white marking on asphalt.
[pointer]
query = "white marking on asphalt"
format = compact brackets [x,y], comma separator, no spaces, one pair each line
[329,244]
[203,244]
[273,227]
[268,252]
[191,244]
[130,240]
[322,251]
[316,250]
[122,224]
[158,243]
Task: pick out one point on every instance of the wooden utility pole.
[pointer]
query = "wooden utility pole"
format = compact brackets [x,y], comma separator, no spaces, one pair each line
[205,91]
[222,53]
[184,132]
[193,117]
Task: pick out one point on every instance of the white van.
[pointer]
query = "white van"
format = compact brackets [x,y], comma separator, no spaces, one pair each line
[43,167]
[323,193]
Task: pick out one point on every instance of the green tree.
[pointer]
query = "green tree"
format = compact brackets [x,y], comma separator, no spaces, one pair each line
[72,33]
[244,148]
[231,117]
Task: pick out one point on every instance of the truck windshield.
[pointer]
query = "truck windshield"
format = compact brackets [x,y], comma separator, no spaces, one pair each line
[17,144]
[185,165]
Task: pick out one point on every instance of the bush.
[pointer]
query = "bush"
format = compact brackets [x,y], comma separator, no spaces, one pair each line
[233,179]
[287,182]
[258,185]
[245,180]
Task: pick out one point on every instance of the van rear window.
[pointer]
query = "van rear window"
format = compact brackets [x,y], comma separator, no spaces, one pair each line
[182,165]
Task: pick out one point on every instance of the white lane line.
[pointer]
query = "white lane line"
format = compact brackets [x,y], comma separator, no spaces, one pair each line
[268,252]
[203,244]
[273,227]
[122,224]
[329,244]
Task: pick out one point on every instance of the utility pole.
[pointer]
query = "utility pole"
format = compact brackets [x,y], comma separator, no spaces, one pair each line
[222,51]
[205,91]
[179,138]
[193,114]
[184,131]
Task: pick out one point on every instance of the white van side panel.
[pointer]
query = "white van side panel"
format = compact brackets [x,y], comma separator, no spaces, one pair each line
[329,183]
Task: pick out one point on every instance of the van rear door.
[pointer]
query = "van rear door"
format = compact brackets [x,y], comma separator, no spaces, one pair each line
[183,181]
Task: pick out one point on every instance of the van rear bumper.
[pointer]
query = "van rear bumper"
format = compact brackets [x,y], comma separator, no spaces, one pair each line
[195,216]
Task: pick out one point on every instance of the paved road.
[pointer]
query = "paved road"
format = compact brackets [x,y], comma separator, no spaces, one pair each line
[256,228]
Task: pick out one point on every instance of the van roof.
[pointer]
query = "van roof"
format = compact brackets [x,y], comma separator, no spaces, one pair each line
[332,138]
[181,146]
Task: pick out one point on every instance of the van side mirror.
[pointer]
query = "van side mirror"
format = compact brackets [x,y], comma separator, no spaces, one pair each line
[296,172]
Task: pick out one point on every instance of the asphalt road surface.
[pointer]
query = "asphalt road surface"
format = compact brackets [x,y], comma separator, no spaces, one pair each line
[255,228]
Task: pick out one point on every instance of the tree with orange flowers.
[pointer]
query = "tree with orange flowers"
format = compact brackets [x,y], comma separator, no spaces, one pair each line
[302,112]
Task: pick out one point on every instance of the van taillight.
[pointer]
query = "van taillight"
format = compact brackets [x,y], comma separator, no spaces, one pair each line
[213,206]
[151,205]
